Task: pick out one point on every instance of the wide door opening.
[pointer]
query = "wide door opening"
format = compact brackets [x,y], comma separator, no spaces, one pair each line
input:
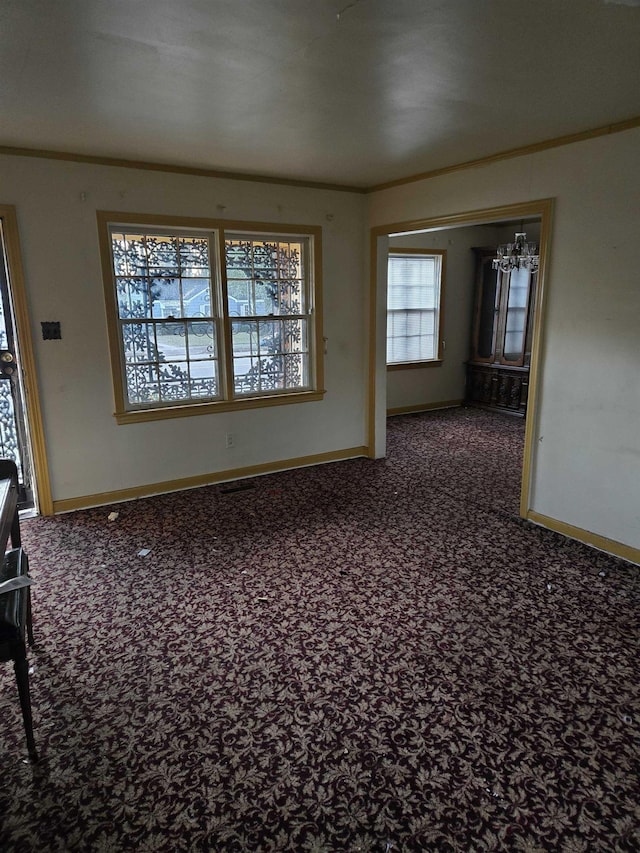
[498,374]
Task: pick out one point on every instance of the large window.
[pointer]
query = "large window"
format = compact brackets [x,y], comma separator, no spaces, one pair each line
[414,295]
[209,316]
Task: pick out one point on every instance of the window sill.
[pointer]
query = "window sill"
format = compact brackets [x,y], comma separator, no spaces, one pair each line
[208,408]
[410,365]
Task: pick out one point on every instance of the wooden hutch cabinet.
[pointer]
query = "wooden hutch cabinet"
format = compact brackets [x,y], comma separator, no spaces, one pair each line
[498,367]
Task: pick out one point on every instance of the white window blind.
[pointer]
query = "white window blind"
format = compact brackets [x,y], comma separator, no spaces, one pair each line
[413,306]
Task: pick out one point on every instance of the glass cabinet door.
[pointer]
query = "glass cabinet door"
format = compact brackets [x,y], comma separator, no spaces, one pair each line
[487,306]
[516,313]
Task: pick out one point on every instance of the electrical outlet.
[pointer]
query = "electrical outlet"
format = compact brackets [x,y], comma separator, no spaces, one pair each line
[229,439]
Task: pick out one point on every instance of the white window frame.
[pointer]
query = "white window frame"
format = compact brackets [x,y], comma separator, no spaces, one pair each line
[216,232]
[424,359]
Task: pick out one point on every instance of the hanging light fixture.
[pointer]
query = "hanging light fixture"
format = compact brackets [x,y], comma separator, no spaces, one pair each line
[516,255]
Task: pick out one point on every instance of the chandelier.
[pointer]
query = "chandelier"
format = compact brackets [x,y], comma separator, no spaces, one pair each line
[516,255]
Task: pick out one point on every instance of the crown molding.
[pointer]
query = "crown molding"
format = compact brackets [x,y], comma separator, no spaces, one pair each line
[123,163]
[523,150]
[151,166]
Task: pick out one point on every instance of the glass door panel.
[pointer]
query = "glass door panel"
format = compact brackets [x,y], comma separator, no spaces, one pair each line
[515,328]
[487,314]
[14,439]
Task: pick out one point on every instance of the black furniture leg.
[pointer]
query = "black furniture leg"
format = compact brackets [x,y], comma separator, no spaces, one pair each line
[22,677]
[29,622]
[16,540]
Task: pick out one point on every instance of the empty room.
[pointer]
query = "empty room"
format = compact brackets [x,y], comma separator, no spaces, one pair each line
[320,406]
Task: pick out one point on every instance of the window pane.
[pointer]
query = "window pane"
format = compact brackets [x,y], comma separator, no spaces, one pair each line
[139,342]
[413,303]
[411,336]
[270,337]
[294,333]
[142,384]
[270,355]
[239,297]
[272,373]
[265,258]
[204,379]
[412,282]
[246,375]
[165,297]
[162,255]
[129,255]
[296,370]
[194,257]
[201,340]
[161,276]
[174,382]
[265,299]
[133,296]
[238,258]
[265,277]
[196,297]
[257,375]
[291,294]
[244,337]
[290,260]
[171,341]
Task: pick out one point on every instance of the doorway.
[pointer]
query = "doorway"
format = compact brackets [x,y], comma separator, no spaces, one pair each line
[380,243]
[21,434]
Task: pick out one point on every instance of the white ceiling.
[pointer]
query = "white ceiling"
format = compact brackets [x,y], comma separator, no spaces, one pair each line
[354,92]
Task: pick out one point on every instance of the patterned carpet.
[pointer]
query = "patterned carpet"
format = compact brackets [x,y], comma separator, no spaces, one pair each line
[362,656]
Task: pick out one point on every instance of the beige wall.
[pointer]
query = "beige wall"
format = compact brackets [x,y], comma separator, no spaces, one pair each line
[586,459]
[88,452]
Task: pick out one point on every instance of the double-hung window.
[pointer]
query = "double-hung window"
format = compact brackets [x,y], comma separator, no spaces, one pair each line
[207,315]
[414,313]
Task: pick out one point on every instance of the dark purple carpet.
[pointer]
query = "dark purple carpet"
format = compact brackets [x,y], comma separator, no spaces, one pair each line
[363,656]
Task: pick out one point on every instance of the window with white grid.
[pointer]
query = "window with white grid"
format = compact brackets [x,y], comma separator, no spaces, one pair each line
[209,317]
[414,285]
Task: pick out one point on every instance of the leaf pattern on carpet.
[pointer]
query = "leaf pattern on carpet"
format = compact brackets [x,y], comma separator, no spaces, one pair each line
[361,656]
